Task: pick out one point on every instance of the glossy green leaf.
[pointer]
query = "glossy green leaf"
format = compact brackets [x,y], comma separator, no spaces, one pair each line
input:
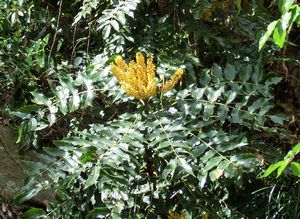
[24,196]
[88,156]
[245,73]
[296,149]
[257,73]
[115,25]
[218,72]
[236,116]
[97,212]
[213,95]
[28,108]
[106,31]
[284,5]
[215,174]
[230,72]
[40,99]
[78,61]
[208,110]
[185,165]
[198,93]
[34,213]
[272,168]
[278,118]
[20,132]
[285,20]
[205,77]
[295,168]
[213,162]
[32,124]
[171,167]
[231,95]
[247,161]
[209,154]
[230,146]
[202,179]
[283,165]
[74,102]
[93,178]
[267,34]
[279,34]
[256,105]
[224,164]
[222,113]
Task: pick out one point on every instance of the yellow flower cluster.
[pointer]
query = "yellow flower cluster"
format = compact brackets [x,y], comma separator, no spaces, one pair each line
[138,77]
[174,215]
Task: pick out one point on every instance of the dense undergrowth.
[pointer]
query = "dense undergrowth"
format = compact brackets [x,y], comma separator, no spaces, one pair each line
[196,151]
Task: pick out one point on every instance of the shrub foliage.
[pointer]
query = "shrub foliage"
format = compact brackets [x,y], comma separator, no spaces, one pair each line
[194,151]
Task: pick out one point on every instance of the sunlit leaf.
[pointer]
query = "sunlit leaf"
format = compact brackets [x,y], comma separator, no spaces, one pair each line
[296,168]
[34,213]
[267,34]
[279,34]
[92,179]
[284,5]
[40,99]
[185,165]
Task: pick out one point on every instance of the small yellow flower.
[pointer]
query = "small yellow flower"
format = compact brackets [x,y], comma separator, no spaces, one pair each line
[138,77]
[174,215]
[207,15]
[172,82]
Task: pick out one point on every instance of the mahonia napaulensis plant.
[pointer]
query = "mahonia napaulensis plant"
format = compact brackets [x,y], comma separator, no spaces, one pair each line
[138,78]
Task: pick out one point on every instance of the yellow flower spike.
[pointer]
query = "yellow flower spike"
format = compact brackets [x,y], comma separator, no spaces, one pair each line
[121,64]
[152,84]
[138,77]
[131,92]
[170,84]
[174,215]
[141,67]
[117,72]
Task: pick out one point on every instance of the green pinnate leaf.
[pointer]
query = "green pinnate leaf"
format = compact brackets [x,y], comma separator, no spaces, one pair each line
[245,73]
[106,31]
[205,77]
[278,118]
[218,72]
[185,165]
[231,95]
[92,179]
[236,116]
[230,72]
[213,95]
[213,162]
[222,113]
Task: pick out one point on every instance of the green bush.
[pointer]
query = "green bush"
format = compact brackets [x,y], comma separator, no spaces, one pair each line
[191,150]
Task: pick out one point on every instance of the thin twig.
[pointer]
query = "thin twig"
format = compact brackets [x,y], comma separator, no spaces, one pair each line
[57,30]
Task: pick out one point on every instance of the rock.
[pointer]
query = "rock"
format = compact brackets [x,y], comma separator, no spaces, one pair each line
[12,172]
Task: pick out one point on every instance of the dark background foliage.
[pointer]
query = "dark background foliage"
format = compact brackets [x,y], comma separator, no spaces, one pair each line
[198,150]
